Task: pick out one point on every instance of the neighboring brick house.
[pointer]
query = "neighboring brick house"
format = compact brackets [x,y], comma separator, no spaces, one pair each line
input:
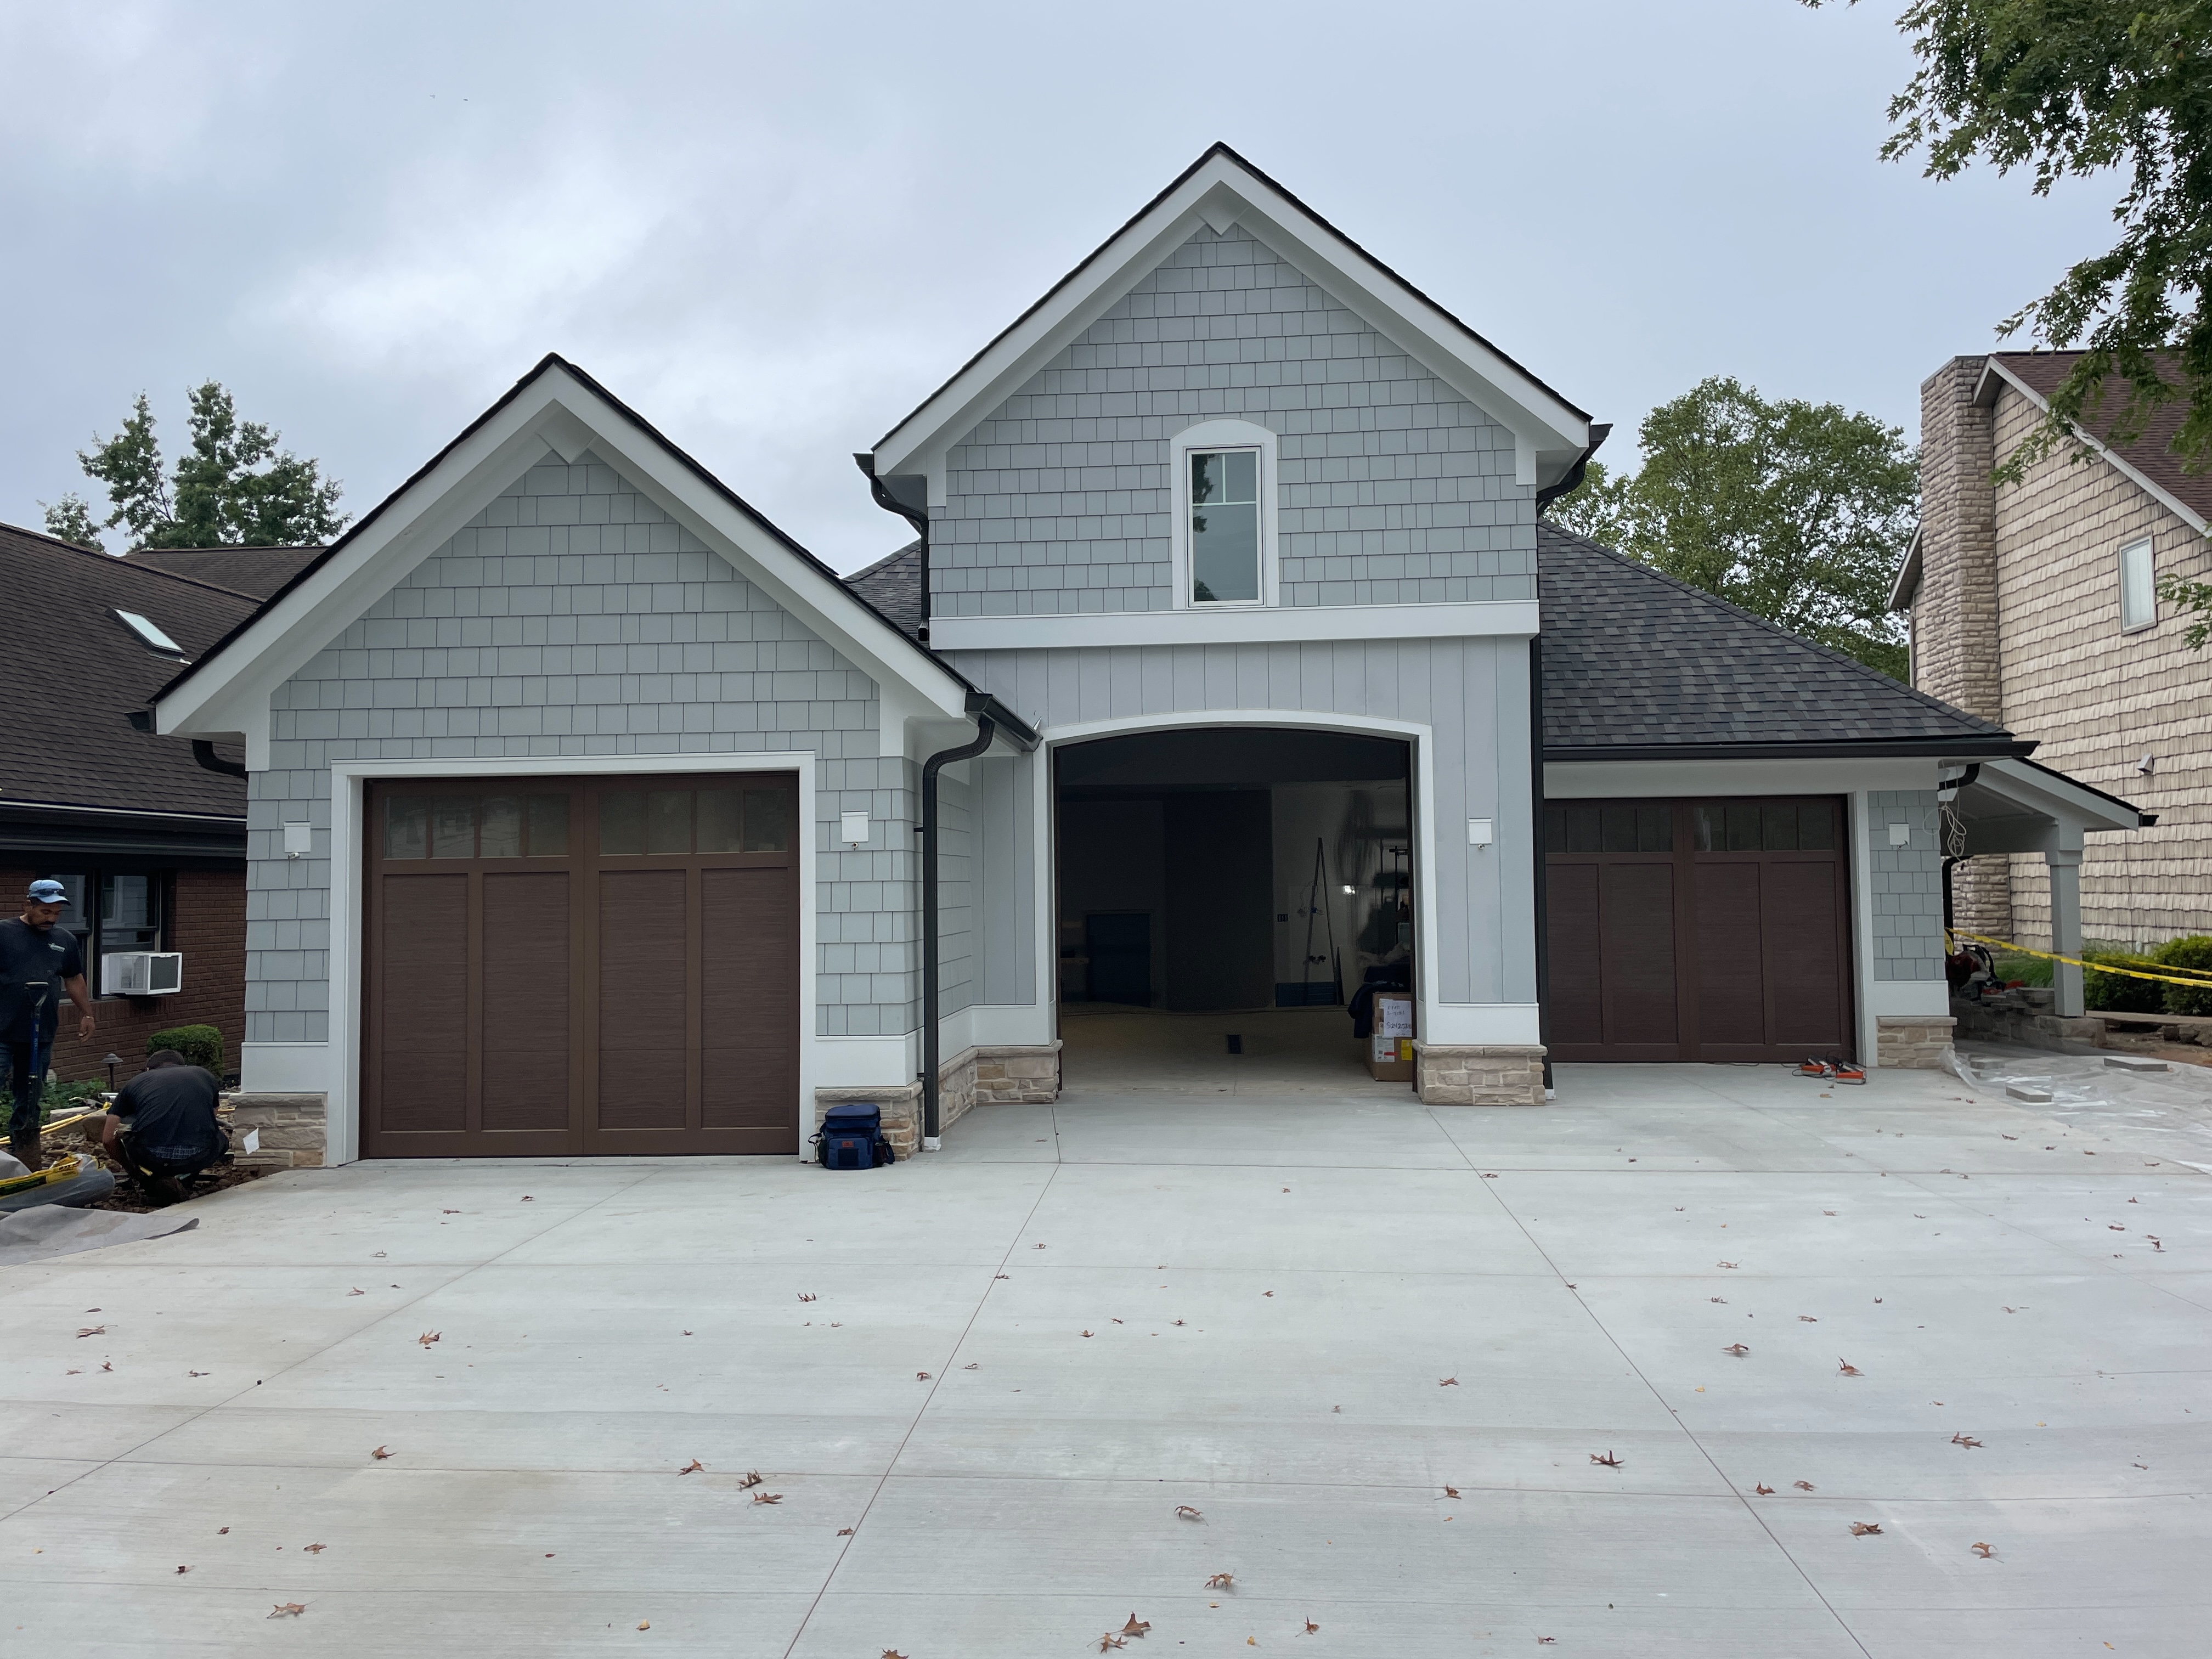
[2033,604]
[151,841]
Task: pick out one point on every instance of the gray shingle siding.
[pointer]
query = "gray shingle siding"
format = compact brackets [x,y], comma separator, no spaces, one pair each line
[1393,490]
[1906,883]
[572,616]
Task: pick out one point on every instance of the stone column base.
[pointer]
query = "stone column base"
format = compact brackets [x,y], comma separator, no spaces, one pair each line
[975,1077]
[292,1129]
[1912,1042]
[1490,1074]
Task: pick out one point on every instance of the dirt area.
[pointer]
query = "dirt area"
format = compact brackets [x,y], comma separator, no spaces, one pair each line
[126,1196]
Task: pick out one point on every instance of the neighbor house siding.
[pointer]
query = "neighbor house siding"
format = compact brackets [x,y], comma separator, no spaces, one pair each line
[574,617]
[2098,700]
[1393,490]
[1906,885]
[1473,692]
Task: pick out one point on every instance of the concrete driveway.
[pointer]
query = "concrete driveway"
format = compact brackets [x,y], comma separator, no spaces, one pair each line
[1375,1349]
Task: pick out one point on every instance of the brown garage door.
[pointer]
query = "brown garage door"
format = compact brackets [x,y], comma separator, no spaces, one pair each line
[563,966]
[1697,930]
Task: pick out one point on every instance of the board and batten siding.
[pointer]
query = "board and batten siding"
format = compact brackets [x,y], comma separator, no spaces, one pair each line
[1473,693]
[574,617]
[1392,489]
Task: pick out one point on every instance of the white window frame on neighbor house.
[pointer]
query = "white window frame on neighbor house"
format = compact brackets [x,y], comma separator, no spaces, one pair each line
[1225,435]
[2138,582]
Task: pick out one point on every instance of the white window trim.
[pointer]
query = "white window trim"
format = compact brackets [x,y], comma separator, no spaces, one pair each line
[2150,554]
[1224,434]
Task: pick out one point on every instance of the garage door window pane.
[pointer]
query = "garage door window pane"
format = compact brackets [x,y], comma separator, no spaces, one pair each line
[454,827]
[622,822]
[720,821]
[1778,833]
[1655,828]
[548,826]
[768,820]
[668,821]
[1816,826]
[502,827]
[406,827]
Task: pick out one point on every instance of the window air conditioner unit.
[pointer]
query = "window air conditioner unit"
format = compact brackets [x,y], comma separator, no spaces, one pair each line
[142,973]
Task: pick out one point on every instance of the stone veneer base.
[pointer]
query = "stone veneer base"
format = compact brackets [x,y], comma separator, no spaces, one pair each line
[1912,1042]
[1490,1074]
[294,1129]
[993,1075]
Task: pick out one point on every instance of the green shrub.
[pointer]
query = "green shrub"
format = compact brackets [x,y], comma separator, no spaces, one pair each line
[2116,994]
[2183,955]
[200,1045]
[68,1099]
[2027,970]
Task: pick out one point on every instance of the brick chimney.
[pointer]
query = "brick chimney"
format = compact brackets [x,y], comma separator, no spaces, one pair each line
[1954,614]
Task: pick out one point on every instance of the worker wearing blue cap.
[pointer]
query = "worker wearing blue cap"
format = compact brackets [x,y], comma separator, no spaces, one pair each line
[39,961]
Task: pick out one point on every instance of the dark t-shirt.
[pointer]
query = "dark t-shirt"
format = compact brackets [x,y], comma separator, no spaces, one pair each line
[171,1108]
[32,959]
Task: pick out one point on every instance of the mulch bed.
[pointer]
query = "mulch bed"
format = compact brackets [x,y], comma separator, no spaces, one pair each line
[127,1198]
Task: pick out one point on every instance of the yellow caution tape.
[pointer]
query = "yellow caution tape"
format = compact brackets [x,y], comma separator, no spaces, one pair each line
[2203,982]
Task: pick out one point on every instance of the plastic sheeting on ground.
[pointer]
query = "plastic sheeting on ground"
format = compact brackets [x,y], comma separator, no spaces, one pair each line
[50,1231]
[2167,1112]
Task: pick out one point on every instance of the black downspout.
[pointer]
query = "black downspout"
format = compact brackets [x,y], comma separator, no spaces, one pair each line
[917,516]
[931,1128]
[1954,785]
[1538,872]
[203,752]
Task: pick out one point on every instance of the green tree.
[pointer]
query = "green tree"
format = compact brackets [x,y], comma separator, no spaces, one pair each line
[232,488]
[1798,512]
[2076,88]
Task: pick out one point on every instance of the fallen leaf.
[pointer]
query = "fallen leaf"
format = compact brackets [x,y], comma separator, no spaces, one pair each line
[1848,1368]
[893,1653]
[526,1199]
[2114,1227]
[429,1337]
[1137,1626]
[1724,1264]
[1806,1319]
[923,1376]
[1803,1486]
[1737,1349]
[93,1330]
[1720,1300]
[1865,1528]
[1124,1322]
[767,1497]
[807,1296]
[1487,1175]
[289,1610]
[1542,1640]
[1184,1512]
[184,1569]
[645,1623]
[1964,1440]
[1222,1581]
[1452,1491]
[1764,1491]
[379,1453]
[971,1365]
[199,1373]
[844,1532]
[694,1467]
[1263,1293]
[1985,1551]
[317,1549]
[1110,1640]
[1827,1213]
[106,1366]
[1447,1382]
[1036,1246]
[1086,1333]
[453,1213]
[1608,1460]
[752,1478]
[1310,1628]
[2154,1244]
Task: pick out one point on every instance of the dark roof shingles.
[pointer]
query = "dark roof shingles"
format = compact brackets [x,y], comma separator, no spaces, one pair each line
[892,585]
[2152,454]
[255,572]
[70,674]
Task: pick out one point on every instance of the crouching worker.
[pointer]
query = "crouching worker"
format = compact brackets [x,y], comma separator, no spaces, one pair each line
[163,1130]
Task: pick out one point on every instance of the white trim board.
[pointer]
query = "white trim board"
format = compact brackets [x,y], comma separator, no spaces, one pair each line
[1239,625]
[1224,435]
[343,1068]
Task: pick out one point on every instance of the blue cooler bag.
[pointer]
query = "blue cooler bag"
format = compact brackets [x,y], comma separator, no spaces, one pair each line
[852,1137]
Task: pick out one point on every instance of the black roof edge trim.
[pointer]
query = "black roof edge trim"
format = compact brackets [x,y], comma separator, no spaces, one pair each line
[1217,148]
[1872,749]
[553,359]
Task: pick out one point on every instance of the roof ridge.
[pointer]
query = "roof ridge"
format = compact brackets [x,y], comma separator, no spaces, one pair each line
[1885,682]
[885,563]
[123,560]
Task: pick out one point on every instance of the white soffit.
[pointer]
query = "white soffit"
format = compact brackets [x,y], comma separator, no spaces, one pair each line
[1220,190]
[556,407]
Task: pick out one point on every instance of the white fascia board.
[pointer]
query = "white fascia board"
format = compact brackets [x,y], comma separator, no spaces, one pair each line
[1617,780]
[1907,587]
[1218,193]
[2171,502]
[557,411]
[2054,793]
[1296,623]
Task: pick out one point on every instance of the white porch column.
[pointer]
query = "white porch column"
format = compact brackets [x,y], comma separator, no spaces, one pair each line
[2065,869]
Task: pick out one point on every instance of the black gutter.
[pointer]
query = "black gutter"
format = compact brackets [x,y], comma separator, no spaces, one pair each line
[203,752]
[985,727]
[1984,748]
[1539,873]
[1598,434]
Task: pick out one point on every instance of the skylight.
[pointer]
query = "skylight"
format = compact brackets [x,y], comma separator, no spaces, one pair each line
[152,635]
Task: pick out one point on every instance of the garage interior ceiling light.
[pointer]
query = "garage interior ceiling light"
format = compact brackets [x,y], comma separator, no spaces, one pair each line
[149,635]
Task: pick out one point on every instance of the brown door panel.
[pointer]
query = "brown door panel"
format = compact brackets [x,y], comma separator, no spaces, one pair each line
[1637,923]
[643,1070]
[1576,1005]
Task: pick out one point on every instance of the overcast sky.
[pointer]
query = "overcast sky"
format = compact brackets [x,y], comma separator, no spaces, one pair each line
[773,228]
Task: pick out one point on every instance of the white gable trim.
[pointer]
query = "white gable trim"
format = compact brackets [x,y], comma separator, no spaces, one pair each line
[1219,190]
[555,409]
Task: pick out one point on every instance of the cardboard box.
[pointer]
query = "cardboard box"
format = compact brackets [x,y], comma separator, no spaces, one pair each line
[1390,1050]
